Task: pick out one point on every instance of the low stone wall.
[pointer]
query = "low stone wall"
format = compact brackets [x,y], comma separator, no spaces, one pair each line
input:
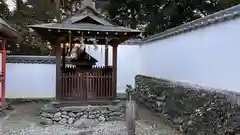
[70,115]
[191,110]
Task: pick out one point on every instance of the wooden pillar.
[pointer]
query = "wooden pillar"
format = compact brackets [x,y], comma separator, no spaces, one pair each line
[106,55]
[58,68]
[63,57]
[114,69]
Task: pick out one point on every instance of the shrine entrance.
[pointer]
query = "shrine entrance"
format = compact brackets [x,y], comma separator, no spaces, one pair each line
[72,37]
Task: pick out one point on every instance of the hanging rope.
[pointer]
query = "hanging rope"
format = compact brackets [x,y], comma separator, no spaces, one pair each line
[106,47]
[70,42]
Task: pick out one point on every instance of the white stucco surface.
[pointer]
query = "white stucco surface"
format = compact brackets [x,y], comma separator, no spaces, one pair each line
[127,65]
[38,80]
[30,80]
[208,56]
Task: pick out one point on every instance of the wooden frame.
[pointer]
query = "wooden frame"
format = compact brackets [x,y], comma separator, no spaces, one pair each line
[111,90]
[105,32]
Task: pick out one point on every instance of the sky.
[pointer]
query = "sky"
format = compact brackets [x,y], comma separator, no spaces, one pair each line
[10,4]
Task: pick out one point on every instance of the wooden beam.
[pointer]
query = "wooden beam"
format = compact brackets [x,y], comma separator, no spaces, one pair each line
[106,55]
[114,69]
[58,68]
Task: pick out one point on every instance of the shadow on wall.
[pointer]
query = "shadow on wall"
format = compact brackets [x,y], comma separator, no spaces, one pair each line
[191,110]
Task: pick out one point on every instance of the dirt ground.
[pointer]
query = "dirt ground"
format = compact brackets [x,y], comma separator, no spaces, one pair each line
[23,120]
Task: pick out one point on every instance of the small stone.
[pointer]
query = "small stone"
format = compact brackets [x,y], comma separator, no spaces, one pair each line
[47,115]
[91,116]
[63,121]
[65,116]
[115,114]
[178,121]
[64,113]
[79,114]
[190,123]
[162,98]
[101,118]
[57,115]
[70,120]
[46,121]
[84,116]
[97,111]
[105,112]
[49,108]
[159,104]
[107,118]
[71,114]
[82,123]
[57,119]
[114,109]
[94,113]
[89,107]
[182,129]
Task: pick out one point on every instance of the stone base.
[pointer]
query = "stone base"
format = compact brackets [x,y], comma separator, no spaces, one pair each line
[68,115]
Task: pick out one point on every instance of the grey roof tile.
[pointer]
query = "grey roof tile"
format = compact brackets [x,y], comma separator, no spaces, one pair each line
[83,27]
[75,23]
[38,59]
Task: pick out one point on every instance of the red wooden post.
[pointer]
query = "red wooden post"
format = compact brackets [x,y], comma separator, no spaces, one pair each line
[4,52]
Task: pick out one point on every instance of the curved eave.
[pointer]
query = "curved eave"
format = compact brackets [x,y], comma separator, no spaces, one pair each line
[85,28]
[11,34]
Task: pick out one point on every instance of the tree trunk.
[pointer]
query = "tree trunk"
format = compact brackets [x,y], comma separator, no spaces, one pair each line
[18,4]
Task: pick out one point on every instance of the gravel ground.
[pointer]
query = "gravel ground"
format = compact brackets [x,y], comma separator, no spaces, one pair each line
[23,121]
[107,128]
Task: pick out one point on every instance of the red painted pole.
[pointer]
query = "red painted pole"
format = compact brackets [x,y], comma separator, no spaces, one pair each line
[4,52]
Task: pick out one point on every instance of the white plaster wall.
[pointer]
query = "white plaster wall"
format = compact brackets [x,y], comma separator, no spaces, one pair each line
[30,80]
[127,65]
[207,56]
[38,80]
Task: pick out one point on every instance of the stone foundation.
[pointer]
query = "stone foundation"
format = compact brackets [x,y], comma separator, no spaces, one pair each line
[192,110]
[69,115]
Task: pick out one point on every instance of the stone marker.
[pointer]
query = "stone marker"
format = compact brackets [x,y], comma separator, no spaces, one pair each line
[130,117]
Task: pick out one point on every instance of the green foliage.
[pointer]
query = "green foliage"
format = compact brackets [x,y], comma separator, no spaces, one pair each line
[32,12]
[4,11]
[155,16]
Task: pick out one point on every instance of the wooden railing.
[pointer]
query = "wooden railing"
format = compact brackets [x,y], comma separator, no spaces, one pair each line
[90,84]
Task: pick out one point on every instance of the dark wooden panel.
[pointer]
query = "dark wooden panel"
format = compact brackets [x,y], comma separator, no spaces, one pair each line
[89,84]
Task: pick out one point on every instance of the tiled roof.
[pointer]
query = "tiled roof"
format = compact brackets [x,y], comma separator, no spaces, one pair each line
[9,31]
[31,59]
[77,23]
[84,27]
[221,16]
[39,59]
